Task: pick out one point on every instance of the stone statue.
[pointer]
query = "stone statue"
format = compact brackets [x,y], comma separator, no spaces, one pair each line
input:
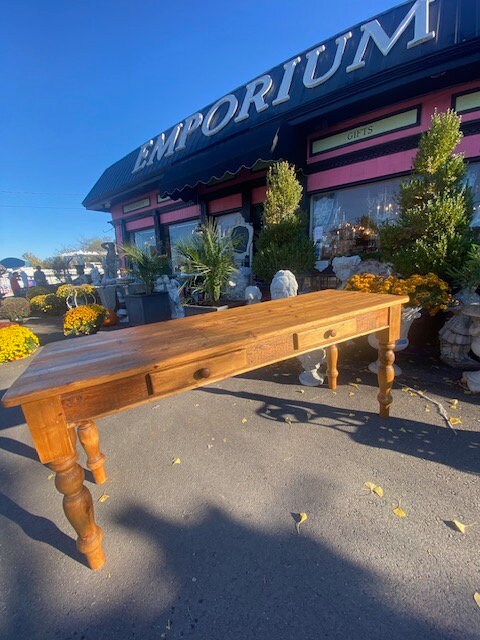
[109,263]
[472,378]
[311,363]
[344,267]
[96,276]
[284,285]
[176,306]
[236,285]
[253,295]
[376,267]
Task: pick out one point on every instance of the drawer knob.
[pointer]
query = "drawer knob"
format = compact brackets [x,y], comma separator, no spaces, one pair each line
[331,333]
[203,373]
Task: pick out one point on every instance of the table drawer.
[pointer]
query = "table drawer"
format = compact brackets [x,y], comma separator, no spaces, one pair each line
[196,373]
[324,335]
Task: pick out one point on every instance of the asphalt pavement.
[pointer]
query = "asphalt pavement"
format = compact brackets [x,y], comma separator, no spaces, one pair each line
[210,548]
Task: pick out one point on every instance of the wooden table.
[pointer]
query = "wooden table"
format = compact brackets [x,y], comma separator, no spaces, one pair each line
[69,383]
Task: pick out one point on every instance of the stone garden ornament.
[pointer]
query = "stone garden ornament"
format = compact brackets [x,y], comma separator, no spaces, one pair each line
[284,285]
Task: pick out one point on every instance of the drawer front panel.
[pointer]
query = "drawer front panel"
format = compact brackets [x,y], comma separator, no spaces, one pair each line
[196,373]
[324,335]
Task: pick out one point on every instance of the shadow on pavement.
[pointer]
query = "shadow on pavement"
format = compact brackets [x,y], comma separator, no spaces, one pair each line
[225,581]
[409,437]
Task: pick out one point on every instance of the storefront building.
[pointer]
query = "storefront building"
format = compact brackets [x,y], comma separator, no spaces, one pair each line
[348,113]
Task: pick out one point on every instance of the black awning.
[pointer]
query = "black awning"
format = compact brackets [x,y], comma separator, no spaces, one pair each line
[262,144]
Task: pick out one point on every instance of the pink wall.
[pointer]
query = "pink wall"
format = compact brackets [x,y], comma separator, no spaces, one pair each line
[441,100]
[180,214]
[394,163]
[143,223]
[225,204]
[258,195]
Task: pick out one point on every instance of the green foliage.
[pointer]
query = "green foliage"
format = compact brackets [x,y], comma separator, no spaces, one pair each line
[14,309]
[147,266]
[32,292]
[93,243]
[209,255]
[49,304]
[283,196]
[433,231]
[33,260]
[468,275]
[283,242]
[60,266]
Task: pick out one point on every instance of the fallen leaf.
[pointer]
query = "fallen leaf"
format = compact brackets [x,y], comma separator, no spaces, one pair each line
[244,420]
[288,419]
[374,488]
[353,384]
[176,461]
[358,379]
[50,476]
[196,405]
[299,519]
[103,497]
[301,391]
[404,389]
[309,415]
[454,405]
[351,393]
[398,511]
[209,446]
[454,421]
[351,415]
[224,440]
[460,526]
[427,409]
[476,597]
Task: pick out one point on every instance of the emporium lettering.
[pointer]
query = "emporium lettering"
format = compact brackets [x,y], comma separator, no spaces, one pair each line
[256,93]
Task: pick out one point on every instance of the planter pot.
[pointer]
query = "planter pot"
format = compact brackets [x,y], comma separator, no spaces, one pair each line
[146,308]
[409,314]
[196,309]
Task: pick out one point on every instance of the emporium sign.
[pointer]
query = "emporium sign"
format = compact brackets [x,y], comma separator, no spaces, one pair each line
[299,76]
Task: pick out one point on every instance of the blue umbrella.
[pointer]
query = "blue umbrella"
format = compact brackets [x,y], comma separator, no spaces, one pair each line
[13,263]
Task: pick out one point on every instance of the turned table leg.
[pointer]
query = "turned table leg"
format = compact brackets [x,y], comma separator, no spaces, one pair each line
[78,507]
[332,371]
[386,375]
[89,439]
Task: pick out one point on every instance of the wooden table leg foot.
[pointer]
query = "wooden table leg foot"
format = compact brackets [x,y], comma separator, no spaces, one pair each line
[386,375]
[78,507]
[332,371]
[90,441]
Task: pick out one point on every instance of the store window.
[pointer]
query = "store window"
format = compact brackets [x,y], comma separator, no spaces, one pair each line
[145,240]
[180,233]
[346,221]
[473,179]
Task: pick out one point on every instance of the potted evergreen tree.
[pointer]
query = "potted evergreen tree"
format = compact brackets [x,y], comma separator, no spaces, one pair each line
[283,242]
[432,233]
[149,306]
[209,257]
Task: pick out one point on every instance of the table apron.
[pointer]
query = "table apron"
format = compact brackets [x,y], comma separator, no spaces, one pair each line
[110,397]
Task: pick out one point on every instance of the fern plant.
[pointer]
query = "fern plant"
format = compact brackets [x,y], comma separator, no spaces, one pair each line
[209,256]
[146,265]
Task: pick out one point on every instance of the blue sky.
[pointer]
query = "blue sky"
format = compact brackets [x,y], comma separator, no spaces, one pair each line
[83,82]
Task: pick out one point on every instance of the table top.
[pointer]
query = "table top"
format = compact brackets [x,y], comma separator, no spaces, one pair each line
[81,362]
